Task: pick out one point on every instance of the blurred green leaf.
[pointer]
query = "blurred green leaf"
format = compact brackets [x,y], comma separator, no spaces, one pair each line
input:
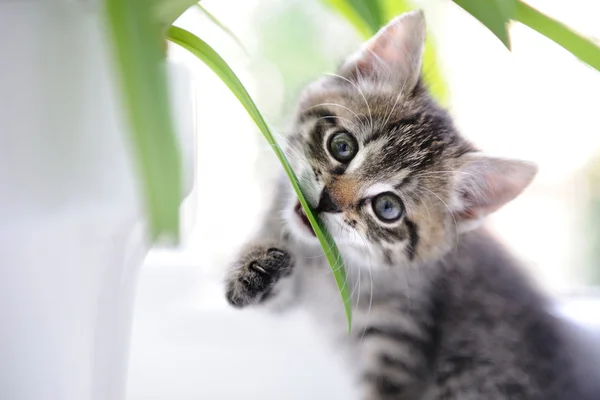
[215,62]
[365,15]
[583,48]
[354,12]
[494,14]
[432,68]
[140,66]
[225,29]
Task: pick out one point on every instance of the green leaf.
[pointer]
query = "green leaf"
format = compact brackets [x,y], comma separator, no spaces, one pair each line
[165,12]
[225,29]
[140,67]
[371,11]
[494,14]
[214,61]
[583,48]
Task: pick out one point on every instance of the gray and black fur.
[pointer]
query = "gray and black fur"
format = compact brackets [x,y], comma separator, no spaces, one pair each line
[441,311]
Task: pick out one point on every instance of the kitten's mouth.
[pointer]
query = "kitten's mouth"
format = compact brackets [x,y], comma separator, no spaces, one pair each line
[303,218]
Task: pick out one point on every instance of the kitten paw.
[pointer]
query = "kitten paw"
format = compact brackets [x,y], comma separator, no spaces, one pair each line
[252,278]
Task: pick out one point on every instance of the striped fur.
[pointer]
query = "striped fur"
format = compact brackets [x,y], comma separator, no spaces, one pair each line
[441,311]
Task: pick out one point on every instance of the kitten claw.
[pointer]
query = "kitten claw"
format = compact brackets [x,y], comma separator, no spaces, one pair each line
[259,268]
[255,266]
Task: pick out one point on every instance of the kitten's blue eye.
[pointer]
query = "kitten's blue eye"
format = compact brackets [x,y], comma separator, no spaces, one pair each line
[343,147]
[387,207]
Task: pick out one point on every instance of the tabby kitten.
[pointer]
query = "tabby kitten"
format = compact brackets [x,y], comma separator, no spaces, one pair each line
[441,311]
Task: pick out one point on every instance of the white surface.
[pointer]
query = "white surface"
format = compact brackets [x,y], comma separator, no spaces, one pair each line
[188,344]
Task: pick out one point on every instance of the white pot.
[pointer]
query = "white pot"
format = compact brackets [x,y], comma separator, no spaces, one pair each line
[71,222]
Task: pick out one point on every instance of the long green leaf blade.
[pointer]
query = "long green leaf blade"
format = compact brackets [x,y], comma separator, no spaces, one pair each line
[140,66]
[494,14]
[583,48]
[214,61]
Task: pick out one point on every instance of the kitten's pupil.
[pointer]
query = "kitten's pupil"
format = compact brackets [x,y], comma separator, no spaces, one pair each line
[387,207]
[343,149]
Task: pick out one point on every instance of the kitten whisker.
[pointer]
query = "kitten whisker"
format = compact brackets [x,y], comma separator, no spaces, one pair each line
[337,105]
[342,118]
[357,283]
[366,322]
[290,149]
[389,115]
[444,172]
[358,273]
[428,213]
[360,92]
[395,103]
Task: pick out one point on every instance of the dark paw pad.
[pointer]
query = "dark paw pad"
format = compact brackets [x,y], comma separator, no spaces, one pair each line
[255,274]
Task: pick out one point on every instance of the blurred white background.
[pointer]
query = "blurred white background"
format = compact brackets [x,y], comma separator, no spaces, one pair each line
[538,103]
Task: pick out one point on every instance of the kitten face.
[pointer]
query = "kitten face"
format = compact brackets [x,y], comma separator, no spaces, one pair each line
[382,164]
[391,192]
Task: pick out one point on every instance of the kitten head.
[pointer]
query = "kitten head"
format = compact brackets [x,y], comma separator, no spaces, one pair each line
[382,164]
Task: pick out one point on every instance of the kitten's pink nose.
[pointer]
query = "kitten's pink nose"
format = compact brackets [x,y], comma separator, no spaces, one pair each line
[326,203]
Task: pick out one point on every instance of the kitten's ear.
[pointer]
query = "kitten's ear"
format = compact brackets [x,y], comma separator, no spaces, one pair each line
[484,184]
[396,51]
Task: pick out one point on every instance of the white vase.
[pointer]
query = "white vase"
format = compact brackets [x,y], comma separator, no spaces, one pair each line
[71,220]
